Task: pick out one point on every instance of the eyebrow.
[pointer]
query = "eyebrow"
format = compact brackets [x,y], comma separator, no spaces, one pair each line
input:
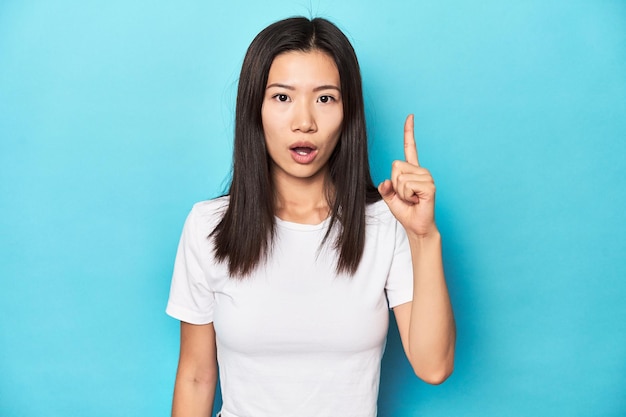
[289,87]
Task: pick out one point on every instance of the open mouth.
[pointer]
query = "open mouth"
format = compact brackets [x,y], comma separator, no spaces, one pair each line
[303,153]
[302,150]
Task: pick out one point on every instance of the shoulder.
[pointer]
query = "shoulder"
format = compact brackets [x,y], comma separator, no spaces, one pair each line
[379,212]
[381,223]
[211,207]
[205,215]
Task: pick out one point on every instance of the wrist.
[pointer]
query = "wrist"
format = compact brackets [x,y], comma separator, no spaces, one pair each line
[432,236]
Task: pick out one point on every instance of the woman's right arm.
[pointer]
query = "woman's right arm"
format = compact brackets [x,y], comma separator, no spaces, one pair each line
[196,378]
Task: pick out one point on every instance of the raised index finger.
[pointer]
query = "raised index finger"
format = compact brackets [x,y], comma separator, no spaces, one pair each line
[410,148]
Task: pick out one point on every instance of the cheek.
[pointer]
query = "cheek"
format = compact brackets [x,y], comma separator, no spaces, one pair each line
[340,116]
[272,121]
[332,119]
[267,123]
[338,122]
[335,135]
[265,118]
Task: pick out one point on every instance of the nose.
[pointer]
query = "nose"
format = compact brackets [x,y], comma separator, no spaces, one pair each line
[303,119]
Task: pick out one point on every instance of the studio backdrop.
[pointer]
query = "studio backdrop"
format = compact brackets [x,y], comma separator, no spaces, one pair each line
[117,116]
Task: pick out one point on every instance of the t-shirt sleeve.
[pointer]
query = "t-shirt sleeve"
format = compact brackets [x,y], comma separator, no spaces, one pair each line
[399,286]
[191,299]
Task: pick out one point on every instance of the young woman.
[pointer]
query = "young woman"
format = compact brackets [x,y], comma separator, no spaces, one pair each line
[286,281]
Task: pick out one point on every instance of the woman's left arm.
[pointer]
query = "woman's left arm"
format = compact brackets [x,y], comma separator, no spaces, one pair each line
[426,324]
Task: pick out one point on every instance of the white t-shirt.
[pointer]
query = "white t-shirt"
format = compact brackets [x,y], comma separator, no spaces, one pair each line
[295,338]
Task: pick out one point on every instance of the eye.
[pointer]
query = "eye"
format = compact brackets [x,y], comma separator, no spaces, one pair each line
[326,99]
[281,97]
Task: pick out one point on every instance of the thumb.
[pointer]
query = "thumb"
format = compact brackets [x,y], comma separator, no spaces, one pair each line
[386,191]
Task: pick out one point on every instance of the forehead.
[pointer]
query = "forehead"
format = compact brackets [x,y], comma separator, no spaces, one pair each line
[297,67]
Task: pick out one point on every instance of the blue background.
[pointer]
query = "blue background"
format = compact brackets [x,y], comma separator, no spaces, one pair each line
[115,117]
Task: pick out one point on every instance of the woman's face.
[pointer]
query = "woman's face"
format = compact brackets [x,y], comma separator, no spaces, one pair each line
[302,114]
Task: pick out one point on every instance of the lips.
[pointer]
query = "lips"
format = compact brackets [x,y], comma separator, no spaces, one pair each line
[303,153]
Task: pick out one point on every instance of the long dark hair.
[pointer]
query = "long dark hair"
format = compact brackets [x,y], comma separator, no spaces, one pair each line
[244,236]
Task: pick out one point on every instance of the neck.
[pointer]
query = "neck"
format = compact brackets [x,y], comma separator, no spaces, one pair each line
[301,200]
